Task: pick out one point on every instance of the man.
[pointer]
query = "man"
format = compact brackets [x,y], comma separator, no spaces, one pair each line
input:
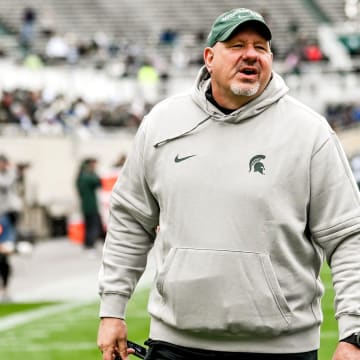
[251,190]
[8,200]
[87,184]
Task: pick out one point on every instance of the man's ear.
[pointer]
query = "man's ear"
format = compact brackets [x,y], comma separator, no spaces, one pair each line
[208,58]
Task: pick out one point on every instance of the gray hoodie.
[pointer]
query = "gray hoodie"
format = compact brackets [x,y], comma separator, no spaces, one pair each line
[249,204]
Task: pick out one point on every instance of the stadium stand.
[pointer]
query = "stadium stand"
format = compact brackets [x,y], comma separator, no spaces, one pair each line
[333,10]
[142,21]
[119,36]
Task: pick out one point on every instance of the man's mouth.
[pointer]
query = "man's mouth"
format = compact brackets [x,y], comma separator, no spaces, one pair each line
[249,71]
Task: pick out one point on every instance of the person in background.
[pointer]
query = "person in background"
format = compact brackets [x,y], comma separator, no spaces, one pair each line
[7,227]
[27,31]
[87,184]
[252,191]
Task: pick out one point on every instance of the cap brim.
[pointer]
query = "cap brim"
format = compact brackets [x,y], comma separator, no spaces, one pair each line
[260,27]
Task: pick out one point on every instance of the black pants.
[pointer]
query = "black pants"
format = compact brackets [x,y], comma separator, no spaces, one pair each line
[4,270]
[159,350]
[93,229]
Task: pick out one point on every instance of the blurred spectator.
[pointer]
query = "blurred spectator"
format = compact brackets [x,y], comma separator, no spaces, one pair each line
[168,37]
[293,27]
[200,37]
[40,111]
[23,117]
[356,112]
[87,184]
[27,32]
[148,81]
[10,206]
[47,23]
[10,198]
[33,61]
[6,115]
[293,61]
[147,74]
[57,48]
[312,52]
[342,115]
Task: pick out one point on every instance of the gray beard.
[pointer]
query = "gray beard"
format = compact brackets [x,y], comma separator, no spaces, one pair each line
[240,91]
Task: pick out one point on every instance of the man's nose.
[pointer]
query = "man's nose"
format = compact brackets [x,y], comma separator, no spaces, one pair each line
[250,53]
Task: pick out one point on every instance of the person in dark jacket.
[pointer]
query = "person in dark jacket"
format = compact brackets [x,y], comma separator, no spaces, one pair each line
[87,183]
[7,228]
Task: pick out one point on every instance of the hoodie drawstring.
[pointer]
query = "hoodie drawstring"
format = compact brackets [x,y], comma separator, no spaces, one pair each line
[163,142]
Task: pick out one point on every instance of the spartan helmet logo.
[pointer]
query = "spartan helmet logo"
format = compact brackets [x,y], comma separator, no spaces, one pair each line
[256,164]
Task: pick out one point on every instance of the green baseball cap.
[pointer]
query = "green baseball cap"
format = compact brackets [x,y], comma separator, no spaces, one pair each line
[229,21]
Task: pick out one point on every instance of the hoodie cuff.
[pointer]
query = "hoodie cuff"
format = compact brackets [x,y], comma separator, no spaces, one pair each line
[113,305]
[348,324]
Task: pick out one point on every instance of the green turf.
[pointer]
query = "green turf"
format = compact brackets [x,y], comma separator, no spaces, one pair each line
[71,335]
[11,308]
[329,334]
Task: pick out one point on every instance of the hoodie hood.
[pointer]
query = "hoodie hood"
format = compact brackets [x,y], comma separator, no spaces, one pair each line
[274,91]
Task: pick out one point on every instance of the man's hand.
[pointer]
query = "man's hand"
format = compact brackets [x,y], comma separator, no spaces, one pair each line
[112,337]
[346,351]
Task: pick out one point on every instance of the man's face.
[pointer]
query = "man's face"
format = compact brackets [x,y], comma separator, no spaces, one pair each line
[240,68]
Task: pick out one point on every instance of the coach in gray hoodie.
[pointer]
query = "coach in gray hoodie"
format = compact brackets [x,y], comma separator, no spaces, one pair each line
[252,192]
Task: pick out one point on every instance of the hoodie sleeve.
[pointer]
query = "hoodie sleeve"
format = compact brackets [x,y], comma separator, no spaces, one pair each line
[335,226]
[130,235]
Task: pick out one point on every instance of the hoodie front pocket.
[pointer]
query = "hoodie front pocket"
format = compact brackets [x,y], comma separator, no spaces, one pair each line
[231,292]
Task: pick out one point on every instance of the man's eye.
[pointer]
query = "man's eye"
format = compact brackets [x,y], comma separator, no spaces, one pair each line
[261,47]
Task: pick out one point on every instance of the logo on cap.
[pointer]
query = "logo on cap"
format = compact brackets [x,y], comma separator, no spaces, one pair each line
[226,23]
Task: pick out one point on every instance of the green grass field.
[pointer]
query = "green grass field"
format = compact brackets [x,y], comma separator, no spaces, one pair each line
[71,333]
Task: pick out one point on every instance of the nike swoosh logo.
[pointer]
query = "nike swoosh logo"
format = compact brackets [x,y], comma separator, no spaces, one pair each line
[179,159]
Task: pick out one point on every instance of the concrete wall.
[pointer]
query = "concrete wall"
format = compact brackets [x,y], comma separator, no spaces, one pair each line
[55,161]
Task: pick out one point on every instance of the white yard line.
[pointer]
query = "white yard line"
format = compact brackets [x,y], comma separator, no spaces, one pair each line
[23,317]
[54,346]
[11,321]
[78,290]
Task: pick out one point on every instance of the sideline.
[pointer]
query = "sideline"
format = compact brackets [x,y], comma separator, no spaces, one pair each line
[23,317]
[84,346]
[75,288]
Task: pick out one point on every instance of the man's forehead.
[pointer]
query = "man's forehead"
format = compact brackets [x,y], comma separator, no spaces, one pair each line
[246,29]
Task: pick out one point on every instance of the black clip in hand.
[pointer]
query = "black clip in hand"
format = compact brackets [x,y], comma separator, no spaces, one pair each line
[140,351]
